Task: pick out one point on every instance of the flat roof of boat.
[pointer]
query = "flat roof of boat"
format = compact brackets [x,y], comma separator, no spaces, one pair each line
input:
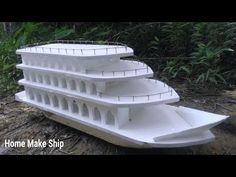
[80,50]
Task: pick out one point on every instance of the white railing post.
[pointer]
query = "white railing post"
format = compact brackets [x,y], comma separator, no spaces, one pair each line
[100,94]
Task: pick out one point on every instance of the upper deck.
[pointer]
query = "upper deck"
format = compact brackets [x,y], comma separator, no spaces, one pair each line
[88,60]
[83,50]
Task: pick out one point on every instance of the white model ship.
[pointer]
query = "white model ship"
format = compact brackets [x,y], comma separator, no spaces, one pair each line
[87,86]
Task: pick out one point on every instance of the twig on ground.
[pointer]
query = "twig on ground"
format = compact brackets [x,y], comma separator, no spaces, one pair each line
[69,153]
[76,141]
[217,104]
[66,138]
[231,101]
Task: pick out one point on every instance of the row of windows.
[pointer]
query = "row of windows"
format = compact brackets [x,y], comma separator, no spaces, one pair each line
[47,63]
[73,66]
[70,106]
[61,82]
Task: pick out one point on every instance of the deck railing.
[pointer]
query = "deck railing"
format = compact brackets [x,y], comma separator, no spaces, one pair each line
[60,50]
[133,98]
[75,42]
[123,72]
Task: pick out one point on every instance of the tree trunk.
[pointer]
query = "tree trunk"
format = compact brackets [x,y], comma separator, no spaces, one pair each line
[9,27]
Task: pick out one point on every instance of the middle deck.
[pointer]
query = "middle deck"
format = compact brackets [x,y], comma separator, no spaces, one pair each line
[110,71]
[138,92]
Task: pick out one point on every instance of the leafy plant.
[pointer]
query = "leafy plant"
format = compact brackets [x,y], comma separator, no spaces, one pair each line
[206,63]
[26,33]
[63,33]
[212,75]
[176,68]
[208,54]
[200,52]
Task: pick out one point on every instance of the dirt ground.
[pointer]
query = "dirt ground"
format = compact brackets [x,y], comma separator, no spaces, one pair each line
[21,122]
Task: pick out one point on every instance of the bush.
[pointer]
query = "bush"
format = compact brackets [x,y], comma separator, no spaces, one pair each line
[207,48]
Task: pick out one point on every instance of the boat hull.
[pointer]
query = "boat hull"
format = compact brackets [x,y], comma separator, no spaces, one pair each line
[119,140]
[194,133]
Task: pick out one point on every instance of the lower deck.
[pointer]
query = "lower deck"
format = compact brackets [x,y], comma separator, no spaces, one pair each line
[154,126]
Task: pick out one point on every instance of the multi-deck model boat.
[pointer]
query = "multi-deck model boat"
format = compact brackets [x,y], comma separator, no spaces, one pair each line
[86,85]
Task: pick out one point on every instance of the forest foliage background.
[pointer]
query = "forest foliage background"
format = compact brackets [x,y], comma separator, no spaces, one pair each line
[200,53]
